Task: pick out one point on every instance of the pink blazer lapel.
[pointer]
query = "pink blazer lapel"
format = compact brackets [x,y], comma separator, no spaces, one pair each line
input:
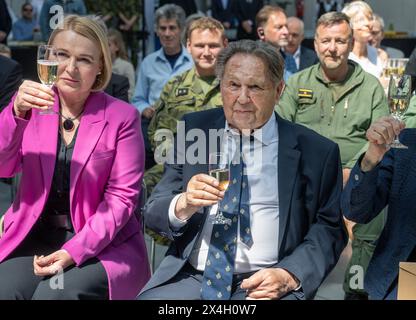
[91,126]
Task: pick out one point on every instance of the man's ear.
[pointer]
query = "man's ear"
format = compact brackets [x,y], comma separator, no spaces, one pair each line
[280,89]
[260,33]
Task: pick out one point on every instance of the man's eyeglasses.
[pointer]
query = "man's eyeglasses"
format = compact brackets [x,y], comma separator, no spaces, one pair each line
[27,9]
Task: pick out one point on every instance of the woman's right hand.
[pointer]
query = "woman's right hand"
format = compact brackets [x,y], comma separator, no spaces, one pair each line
[32,95]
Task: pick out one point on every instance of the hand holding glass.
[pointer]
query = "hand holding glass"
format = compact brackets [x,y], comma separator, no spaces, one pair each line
[399,94]
[47,68]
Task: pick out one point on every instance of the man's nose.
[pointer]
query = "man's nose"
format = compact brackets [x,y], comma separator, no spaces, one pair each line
[244,96]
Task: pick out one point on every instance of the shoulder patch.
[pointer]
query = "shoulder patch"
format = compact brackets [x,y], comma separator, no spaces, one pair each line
[305,93]
[182,92]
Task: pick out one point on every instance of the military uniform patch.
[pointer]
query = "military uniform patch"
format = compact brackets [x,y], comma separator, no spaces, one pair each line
[305,93]
[182,92]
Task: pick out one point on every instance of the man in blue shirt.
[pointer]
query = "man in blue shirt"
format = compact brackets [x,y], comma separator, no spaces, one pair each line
[157,68]
[24,27]
[68,7]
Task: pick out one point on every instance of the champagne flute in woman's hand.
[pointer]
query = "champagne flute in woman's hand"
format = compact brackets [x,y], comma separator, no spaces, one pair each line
[47,68]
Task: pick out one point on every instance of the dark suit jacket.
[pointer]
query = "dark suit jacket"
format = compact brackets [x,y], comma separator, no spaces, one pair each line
[247,10]
[392,183]
[308,58]
[5,20]
[10,79]
[311,236]
[223,14]
[118,87]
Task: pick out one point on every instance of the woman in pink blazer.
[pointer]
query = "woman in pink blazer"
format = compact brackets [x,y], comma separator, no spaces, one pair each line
[81,172]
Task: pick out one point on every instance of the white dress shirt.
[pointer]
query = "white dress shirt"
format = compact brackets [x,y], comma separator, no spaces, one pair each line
[296,56]
[264,203]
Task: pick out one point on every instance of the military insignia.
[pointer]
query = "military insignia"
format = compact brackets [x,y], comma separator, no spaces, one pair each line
[305,93]
[182,92]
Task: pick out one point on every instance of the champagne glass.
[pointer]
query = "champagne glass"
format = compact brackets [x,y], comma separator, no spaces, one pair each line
[47,69]
[399,94]
[219,168]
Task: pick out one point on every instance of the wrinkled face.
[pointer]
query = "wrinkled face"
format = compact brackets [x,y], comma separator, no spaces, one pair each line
[248,95]
[295,36]
[362,25]
[169,34]
[377,34]
[79,62]
[275,30]
[204,46]
[333,44]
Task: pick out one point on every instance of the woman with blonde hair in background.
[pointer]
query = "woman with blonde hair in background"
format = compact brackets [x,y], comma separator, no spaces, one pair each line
[120,59]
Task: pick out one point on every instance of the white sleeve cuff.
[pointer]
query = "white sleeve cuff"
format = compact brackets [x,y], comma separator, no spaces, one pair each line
[174,221]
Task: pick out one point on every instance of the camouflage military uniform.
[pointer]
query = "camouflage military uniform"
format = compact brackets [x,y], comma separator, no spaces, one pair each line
[183,94]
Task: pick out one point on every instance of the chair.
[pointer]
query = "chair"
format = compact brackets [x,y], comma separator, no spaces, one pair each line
[141,204]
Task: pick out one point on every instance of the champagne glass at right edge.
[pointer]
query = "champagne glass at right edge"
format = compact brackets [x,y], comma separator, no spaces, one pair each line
[47,69]
[399,94]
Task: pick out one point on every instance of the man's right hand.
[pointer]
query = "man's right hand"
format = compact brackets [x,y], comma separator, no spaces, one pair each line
[202,190]
[148,112]
[380,135]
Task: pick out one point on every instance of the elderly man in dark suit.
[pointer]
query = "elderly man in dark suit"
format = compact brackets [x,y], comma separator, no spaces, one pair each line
[276,231]
[385,177]
[10,79]
[304,57]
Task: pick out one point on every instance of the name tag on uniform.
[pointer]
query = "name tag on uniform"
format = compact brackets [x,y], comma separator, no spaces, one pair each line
[305,93]
[182,92]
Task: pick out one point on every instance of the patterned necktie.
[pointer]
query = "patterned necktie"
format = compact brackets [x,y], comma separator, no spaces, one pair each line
[290,63]
[219,267]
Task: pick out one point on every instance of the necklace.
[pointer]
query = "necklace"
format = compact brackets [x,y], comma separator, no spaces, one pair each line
[68,124]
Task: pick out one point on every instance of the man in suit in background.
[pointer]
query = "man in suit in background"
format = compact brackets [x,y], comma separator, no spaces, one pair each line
[10,79]
[304,57]
[223,11]
[271,24]
[276,232]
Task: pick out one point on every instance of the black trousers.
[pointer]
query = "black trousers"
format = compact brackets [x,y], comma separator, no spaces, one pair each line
[18,281]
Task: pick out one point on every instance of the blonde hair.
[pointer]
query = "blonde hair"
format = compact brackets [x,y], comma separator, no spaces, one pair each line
[117,38]
[353,8]
[205,23]
[92,30]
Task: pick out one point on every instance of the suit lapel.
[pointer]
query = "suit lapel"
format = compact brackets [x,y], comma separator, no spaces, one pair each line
[89,132]
[47,127]
[288,161]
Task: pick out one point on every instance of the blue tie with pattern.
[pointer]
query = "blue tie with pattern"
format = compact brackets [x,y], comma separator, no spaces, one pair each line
[290,63]
[219,267]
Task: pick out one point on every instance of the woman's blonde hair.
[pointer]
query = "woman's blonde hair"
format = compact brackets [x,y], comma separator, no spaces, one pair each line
[92,30]
[353,8]
[117,38]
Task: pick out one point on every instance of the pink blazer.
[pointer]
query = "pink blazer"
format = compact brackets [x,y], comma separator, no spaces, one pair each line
[106,171]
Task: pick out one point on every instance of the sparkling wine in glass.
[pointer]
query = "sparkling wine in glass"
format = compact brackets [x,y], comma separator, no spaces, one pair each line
[399,94]
[219,168]
[47,68]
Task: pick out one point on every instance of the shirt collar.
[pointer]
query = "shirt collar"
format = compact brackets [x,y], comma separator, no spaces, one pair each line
[266,134]
[297,53]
